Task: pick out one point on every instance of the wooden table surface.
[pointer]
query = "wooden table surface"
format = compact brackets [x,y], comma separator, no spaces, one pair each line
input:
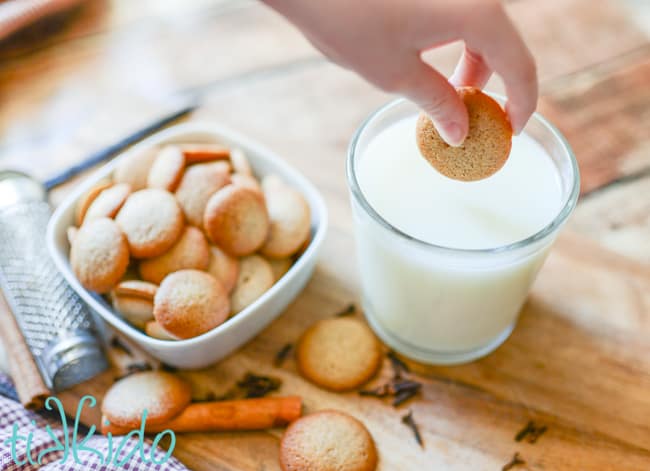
[79,82]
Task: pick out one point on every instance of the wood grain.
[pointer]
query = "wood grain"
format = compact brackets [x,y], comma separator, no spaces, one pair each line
[567,364]
[578,361]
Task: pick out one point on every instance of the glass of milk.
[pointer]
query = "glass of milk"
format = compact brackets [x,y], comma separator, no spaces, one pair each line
[446,265]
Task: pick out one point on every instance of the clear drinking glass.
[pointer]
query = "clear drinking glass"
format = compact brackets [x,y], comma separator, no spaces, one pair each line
[443,305]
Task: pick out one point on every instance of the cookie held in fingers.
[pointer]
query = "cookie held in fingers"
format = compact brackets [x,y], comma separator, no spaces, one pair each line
[134,170]
[198,184]
[324,344]
[108,202]
[486,147]
[189,251]
[167,169]
[87,198]
[223,267]
[99,255]
[162,394]
[190,302]
[325,441]
[290,221]
[236,220]
[152,221]
[254,279]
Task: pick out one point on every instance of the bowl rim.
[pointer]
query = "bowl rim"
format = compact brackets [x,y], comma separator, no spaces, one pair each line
[316,201]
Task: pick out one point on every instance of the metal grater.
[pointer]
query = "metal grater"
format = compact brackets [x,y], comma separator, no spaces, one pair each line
[58,327]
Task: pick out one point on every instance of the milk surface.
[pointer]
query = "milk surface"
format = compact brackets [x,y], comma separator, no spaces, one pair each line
[519,200]
[438,306]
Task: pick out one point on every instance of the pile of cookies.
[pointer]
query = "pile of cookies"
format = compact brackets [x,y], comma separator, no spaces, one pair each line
[184,235]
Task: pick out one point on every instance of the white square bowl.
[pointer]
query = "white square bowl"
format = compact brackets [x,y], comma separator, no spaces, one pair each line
[215,344]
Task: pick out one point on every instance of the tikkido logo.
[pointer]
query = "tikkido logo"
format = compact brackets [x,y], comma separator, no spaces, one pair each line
[67,445]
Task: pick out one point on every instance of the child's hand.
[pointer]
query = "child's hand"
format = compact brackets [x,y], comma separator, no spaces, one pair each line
[382,40]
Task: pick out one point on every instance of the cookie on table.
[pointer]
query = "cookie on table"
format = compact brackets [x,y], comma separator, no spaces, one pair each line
[197,153]
[486,147]
[135,169]
[326,441]
[198,184]
[152,221]
[167,169]
[189,251]
[254,279]
[162,394]
[83,203]
[99,255]
[108,202]
[155,330]
[236,220]
[223,267]
[290,220]
[190,302]
[322,347]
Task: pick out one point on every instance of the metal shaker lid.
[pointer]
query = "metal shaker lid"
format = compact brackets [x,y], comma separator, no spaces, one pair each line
[72,358]
[18,187]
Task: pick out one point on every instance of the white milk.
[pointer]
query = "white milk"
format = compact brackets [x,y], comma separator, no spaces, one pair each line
[425,301]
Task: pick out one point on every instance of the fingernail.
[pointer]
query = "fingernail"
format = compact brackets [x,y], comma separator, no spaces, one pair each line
[452,133]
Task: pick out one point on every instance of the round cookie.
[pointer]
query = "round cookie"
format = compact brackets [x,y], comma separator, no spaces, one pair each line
[190,302]
[87,198]
[167,169]
[198,184]
[99,255]
[138,311]
[240,162]
[290,221]
[196,153]
[323,347]
[254,279]
[486,147]
[279,266]
[152,222]
[236,220]
[108,202]
[71,233]
[155,330]
[328,440]
[136,288]
[135,169]
[162,394]
[247,181]
[223,267]
[189,251]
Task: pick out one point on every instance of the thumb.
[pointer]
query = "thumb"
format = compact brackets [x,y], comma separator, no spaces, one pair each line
[438,98]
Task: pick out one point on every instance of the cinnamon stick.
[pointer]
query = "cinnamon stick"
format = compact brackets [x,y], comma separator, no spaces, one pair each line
[28,381]
[240,414]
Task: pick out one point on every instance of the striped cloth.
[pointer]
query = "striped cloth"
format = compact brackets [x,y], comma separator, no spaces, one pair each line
[36,428]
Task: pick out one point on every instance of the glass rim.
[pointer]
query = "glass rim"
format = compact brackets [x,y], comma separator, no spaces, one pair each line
[567,207]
